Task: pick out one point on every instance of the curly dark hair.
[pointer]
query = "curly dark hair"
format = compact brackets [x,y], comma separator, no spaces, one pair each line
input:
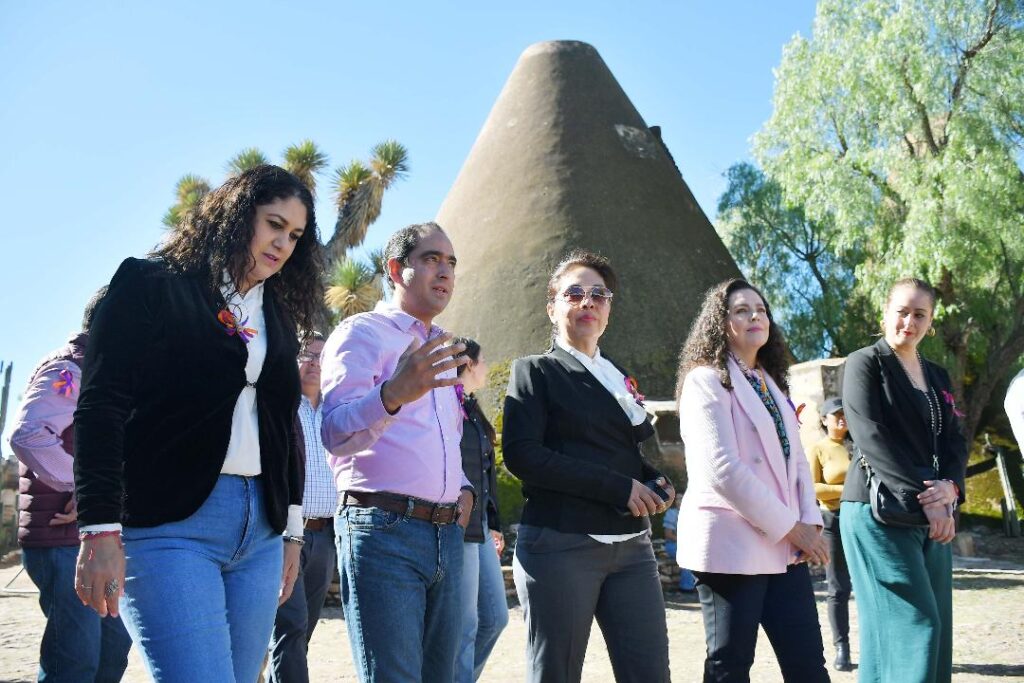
[215,235]
[706,343]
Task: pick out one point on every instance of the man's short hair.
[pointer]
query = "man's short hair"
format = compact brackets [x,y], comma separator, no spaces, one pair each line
[403,243]
[90,308]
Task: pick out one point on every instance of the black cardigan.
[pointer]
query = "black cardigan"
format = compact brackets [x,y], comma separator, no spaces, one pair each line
[889,422]
[573,447]
[161,380]
[482,472]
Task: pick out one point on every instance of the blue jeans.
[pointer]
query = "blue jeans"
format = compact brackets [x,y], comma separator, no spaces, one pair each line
[687,581]
[77,644]
[296,619]
[484,608]
[201,594]
[400,586]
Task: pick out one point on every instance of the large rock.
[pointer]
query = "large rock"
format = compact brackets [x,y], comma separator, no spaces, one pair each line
[564,160]
[811,384]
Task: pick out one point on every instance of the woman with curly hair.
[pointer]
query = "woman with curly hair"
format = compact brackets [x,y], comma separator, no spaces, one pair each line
[749,502]
[188,477]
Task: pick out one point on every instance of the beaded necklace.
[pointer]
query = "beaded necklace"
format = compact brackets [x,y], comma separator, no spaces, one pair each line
[934,407]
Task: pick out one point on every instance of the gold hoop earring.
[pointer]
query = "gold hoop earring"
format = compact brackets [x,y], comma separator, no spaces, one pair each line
[931,331]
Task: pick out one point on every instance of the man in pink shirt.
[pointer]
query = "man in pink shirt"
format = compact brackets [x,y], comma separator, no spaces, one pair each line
[77,644]
[392,423]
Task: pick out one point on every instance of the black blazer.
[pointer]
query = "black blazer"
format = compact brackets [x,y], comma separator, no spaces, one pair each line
[573,447]
[158,393]
[890,424]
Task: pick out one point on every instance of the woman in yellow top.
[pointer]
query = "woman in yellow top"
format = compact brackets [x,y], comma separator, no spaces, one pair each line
[829,461]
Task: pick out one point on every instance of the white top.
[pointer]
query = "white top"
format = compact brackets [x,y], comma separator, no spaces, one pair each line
[243,456]
[615,382]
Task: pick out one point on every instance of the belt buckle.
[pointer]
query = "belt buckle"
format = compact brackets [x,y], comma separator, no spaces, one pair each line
[435,514]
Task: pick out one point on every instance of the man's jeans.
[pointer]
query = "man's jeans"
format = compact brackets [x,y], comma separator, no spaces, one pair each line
[201,594]
[484,608]
[400,586]
[77,644]
[297,618]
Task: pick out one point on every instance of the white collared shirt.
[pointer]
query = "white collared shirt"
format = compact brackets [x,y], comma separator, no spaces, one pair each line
[615,382]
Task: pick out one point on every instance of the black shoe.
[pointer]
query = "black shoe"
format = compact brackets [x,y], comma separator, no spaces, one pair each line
[842,662]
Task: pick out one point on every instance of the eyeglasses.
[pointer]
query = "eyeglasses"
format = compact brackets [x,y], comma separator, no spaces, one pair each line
[308,358]
[575,294]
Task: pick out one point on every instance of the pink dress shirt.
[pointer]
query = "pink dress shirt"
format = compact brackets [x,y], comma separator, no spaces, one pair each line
[415,452]
[44,415]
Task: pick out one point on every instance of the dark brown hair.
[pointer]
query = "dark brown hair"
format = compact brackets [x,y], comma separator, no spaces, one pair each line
[215,236]
[706,344]
[585,259]
[473,351]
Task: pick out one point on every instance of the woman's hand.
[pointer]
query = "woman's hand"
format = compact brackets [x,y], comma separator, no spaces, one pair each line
[99,575]
[290,571]
[941,525]
[499,541]
[643,501]
[808,539]
[670,490]
[938,491]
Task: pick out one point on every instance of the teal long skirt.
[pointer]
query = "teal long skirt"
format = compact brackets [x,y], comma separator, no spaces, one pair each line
[903,585]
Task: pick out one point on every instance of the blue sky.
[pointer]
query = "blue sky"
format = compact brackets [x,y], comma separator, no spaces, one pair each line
[106,105]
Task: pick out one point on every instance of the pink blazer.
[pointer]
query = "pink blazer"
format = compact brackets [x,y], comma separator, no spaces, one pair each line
[743,496]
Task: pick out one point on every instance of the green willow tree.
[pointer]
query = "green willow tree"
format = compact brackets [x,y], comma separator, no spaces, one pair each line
[794,261]
[901,123]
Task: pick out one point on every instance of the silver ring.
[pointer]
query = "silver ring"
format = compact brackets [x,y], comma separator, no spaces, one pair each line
[87,588]
[111,587]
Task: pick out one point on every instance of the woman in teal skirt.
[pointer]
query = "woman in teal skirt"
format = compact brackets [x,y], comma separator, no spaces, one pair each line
[904,420]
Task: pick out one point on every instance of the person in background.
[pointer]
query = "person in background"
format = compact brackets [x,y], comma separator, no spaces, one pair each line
[749,502]
[670,524]
[298,616]
[829,460]
[484,606]
[77,645]
[392,424]
[905,423]
[188,467]
[573,425]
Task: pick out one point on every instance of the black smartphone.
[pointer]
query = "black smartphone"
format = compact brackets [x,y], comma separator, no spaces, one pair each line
[652,485]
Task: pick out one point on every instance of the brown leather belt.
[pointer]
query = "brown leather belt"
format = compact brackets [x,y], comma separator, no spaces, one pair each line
[417,508]
[317,523]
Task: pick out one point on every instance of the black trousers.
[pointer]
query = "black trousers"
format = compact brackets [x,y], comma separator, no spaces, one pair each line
[566,581]
[734,605]
[838,576]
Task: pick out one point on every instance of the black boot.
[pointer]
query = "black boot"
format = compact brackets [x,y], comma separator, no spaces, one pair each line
[842,662]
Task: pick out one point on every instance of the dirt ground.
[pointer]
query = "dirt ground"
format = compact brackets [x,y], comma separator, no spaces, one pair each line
[988,647]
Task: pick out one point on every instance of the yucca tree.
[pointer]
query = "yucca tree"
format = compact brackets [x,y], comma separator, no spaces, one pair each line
[305,160]
[248,158]
[359,193]
[352,287]
[189,190]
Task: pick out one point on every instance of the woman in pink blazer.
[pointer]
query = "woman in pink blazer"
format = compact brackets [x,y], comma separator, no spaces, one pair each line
[749,509]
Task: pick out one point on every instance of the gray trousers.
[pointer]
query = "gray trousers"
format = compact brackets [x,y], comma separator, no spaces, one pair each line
[565,581]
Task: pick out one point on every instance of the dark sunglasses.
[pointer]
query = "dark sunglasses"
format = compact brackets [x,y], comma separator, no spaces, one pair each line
[575,294]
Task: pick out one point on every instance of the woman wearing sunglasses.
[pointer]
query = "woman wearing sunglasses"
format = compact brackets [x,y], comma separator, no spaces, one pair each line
[572,426]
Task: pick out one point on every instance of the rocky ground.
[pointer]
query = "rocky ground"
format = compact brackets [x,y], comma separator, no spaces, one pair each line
[988,604]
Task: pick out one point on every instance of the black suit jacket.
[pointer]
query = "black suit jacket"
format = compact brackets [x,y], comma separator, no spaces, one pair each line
[573,447]
[158,393]
[890,424]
